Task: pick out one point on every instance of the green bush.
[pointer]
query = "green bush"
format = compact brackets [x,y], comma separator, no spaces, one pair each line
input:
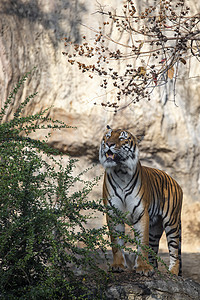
[41,221]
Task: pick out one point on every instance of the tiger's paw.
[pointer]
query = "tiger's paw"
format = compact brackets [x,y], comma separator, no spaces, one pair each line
[117,268]
[146,270]
[175,270]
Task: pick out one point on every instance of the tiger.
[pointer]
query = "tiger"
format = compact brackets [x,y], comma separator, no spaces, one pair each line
[151,199]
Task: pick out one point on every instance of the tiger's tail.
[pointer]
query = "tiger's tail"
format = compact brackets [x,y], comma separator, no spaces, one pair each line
[179,251]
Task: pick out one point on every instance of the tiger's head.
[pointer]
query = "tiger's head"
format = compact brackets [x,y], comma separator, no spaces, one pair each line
[119,149]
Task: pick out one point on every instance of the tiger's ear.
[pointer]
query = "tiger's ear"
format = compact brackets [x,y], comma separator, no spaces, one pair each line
[139,137]
[108,127]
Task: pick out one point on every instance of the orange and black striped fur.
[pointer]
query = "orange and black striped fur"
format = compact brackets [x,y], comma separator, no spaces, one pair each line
[151,198]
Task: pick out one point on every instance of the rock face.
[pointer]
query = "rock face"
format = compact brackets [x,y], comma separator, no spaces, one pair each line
[31,35]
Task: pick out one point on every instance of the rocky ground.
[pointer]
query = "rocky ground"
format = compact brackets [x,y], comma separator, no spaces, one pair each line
[131,286]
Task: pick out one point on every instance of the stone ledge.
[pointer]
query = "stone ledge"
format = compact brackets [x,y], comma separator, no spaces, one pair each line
[136,287]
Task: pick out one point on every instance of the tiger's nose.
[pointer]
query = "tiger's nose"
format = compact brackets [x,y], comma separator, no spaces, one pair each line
[110,144]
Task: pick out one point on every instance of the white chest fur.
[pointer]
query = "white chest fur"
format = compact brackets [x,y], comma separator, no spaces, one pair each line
[123,189]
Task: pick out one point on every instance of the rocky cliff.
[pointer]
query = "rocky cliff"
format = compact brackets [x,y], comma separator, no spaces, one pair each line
[31,34]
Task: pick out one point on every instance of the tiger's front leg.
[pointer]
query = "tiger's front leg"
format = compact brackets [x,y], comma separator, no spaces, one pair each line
[141,227]
[119,262]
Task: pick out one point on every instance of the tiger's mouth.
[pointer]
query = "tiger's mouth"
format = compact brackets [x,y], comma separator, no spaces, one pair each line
[110,155]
